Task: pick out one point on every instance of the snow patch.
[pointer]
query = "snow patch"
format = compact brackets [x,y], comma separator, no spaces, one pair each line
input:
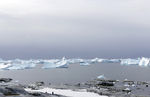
[68,93]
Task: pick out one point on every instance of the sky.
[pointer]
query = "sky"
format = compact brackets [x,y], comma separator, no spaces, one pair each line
[74,28]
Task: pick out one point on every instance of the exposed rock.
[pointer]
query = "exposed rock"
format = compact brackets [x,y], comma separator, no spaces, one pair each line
[39,84]
[33,86]
[105,83]
[126,90]
[12,90]
[6,80]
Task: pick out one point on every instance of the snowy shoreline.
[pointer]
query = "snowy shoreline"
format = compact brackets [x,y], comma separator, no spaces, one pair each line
[93,88]
[66,92]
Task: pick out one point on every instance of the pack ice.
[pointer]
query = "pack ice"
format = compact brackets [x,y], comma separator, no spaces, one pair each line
[19,64]
[144,62]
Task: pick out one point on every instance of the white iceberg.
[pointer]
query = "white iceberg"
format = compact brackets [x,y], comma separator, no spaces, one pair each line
[109,60]
[101,77]
[21,65]
[63,63]
[17,64]
[140,62]
[84,63]
[144,62]
[74,61]
[59,64]
[96,60]
[4,65]
[130,61]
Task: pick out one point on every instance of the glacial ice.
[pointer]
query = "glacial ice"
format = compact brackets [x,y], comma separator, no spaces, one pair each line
[74,61]
[21,66]
[101,77]
[4,65]
[84,63]
[130,61]
[56,64]
[18,64]
[109,60]
[96,60]
[144,62]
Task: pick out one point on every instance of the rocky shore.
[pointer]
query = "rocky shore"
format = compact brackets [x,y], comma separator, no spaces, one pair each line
[9,89]
[102,87]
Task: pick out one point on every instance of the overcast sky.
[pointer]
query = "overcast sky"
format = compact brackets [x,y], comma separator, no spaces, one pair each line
[74,28]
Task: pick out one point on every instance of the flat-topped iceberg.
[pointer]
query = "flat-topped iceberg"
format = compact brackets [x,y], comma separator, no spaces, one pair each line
[109,60]
[130,61]
[140,62]
[84,63]
[74,61]
[21,66]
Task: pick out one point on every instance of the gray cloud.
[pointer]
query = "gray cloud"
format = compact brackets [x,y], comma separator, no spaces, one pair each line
[80,28]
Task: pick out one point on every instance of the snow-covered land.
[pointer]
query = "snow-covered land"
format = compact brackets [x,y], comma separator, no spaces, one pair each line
[68,93]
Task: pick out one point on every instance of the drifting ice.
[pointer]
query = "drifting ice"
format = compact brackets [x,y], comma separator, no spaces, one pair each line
[140,62]
[64,63]
[56,64]
[130,61]
[101,77]
[144,62]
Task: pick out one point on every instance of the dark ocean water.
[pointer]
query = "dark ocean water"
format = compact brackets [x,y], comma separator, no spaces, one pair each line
[76,73]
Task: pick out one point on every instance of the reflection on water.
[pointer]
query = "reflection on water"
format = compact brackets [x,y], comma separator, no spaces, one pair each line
[76,73]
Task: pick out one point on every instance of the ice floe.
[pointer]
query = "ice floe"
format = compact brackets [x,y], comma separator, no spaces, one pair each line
[101,77]
[130,61]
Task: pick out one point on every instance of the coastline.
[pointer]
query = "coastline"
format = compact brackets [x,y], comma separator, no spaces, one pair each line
[93,88]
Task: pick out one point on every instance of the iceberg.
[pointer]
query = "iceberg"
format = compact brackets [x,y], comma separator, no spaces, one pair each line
[74,61]
[144,62]
[16,64]
[4,65]
[84,63]
[101,77]
[62,64]
[109,60]
[48,65]
[130,61]
[96,60]
[59,64]
[20,65]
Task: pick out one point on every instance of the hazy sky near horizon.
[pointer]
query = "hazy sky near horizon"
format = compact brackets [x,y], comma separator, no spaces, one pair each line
[74,28]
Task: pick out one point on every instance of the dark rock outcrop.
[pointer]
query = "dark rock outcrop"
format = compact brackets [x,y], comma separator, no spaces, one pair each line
[6,80]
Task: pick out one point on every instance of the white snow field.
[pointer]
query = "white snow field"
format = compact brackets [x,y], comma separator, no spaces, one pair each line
[68,93]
